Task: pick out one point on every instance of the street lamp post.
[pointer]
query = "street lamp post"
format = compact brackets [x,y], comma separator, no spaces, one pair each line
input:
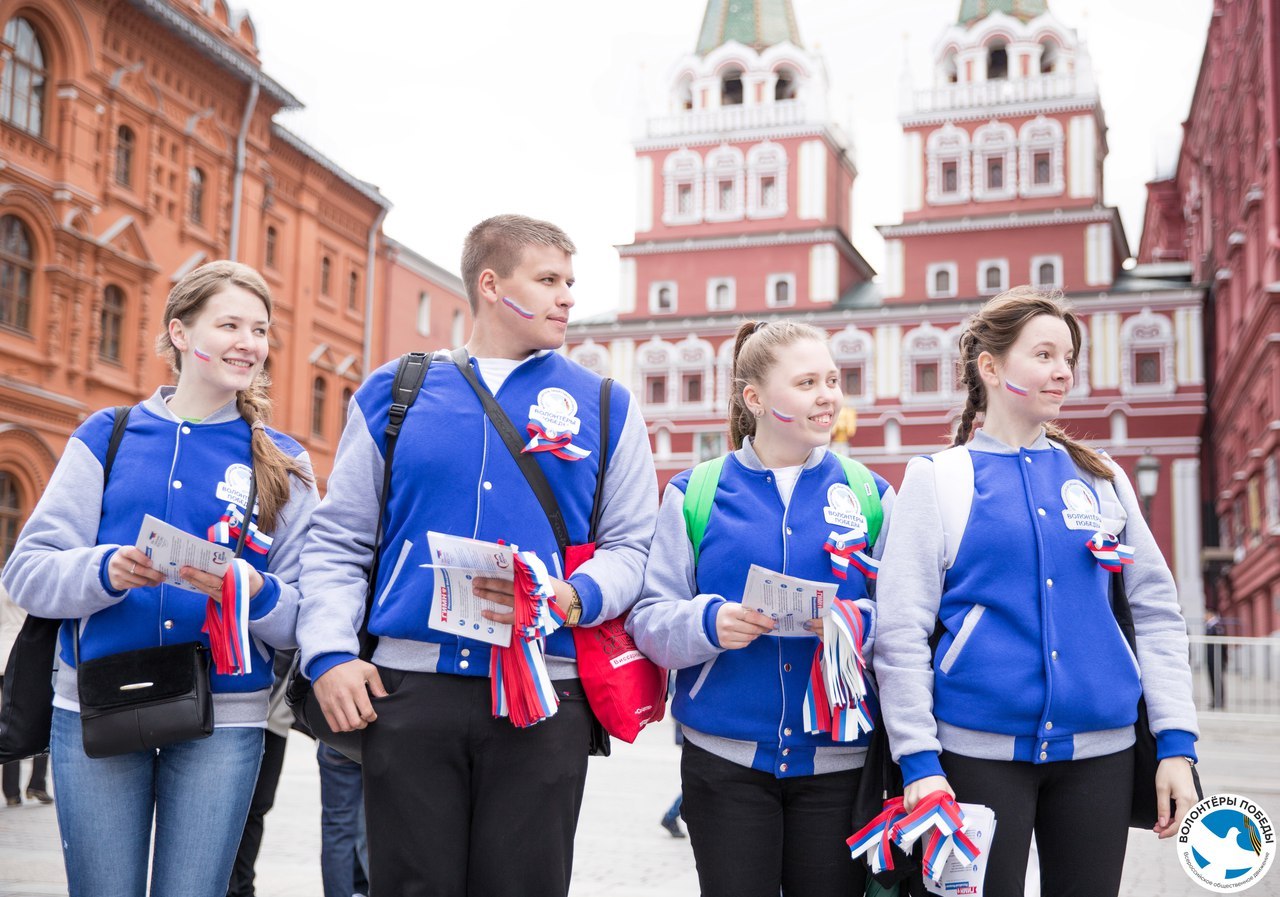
[1148,475]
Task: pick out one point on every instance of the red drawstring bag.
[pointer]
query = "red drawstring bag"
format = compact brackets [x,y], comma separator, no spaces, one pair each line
[625,689]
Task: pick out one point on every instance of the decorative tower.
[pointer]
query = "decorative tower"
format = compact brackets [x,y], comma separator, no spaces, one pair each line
[1004,156]
[743,186]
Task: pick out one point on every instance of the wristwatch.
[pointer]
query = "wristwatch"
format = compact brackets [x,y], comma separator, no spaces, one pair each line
[573,613]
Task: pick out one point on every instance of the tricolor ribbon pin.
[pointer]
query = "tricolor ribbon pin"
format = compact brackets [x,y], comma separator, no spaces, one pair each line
[850,549]
[1112,555]
[560,445]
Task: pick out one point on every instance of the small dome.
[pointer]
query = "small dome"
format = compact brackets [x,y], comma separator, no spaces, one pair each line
[756,23]
[1026,10]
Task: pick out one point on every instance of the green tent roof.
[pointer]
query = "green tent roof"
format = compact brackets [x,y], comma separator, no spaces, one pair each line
[972,10]
[756,23]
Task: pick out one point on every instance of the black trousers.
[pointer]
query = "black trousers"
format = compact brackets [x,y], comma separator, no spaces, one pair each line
[459,804]
[1078,809]
[12,771]
[754,835]
[264,797]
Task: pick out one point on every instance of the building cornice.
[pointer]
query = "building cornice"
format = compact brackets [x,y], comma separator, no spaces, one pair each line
[163,12]
[1000,111]
[752,241]
[364,188]
[968,224]
[834,141]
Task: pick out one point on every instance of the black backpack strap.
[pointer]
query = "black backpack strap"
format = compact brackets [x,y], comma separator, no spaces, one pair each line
[598,501]
[113,445]
[404,391]
[515,444]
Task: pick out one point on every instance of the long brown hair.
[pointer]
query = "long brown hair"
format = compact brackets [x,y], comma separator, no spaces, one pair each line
[754,353]
[271,466]
[995,328]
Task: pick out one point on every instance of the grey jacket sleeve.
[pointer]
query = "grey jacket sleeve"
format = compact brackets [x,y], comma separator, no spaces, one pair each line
[1157,621]
[278,626]
[667,621]
[339,546]
[908,594]
[627,515]
[55,568]
[887,501]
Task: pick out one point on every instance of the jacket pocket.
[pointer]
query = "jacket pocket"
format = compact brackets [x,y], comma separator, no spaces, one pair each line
[962,637]
[702,677]
[405,548]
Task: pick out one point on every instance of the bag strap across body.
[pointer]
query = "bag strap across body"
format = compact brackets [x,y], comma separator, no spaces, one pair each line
[118,427]
[410,375]
[528,465]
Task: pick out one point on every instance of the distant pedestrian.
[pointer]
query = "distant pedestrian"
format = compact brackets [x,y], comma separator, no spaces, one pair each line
[1215,658]
[11,618]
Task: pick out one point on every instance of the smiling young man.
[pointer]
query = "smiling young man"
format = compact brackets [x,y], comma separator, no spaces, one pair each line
[457,801]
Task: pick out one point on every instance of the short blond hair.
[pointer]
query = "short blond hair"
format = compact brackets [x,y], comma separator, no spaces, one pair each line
[498,243]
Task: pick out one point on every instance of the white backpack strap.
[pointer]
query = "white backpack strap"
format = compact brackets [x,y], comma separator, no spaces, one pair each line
[953,484]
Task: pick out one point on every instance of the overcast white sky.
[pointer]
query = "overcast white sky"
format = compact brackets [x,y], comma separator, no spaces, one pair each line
[461,109]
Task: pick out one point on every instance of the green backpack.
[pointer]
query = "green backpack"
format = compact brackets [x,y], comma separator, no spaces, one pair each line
[700,495]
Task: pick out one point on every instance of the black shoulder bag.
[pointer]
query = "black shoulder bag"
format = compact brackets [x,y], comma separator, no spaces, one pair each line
[26,707]
[1143,812]
[151,697]
[298,695]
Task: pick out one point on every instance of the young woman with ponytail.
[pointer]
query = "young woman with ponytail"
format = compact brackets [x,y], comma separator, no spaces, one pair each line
[187,456]
[1027,704]
[768,804]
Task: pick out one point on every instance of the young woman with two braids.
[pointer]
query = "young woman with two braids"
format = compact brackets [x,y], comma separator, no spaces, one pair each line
[1028,703]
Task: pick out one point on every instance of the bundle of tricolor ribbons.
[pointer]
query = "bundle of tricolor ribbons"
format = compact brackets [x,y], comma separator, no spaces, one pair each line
[938,816]
[519,684]
[227,622]
[1112,554]
[836,699]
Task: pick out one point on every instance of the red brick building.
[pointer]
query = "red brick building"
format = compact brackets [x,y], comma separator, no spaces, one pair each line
[137,141]
[744,202]
[1219,217]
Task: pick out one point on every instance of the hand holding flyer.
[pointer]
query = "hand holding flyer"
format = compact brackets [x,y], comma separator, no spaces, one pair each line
[789,600]
[455,607]
[170,549]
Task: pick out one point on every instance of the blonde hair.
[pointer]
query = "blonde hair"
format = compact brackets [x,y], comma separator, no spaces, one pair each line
[994,329]
[754,353]
[498,243]
[271,466]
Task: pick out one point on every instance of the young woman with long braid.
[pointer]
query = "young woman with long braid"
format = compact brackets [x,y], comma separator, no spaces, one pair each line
[1028,703]
[768,804]
[186,457]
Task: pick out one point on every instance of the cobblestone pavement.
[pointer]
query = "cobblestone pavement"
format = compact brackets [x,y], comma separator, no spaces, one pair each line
[621,849]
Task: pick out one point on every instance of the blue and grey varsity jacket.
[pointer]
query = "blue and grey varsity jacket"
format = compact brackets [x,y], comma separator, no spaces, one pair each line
[453,474]
[746,705]
[1032,665]
[186,474]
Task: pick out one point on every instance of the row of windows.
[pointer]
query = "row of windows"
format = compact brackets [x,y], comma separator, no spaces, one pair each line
[779,292]
[997,163]
[727,186]
[457,327]
[941,281]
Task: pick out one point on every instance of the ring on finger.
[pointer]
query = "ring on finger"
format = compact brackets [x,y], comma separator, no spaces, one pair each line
[133,568]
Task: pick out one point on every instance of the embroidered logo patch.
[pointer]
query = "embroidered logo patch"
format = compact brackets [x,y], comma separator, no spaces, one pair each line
[235,484]
[843,509]
[1082,507]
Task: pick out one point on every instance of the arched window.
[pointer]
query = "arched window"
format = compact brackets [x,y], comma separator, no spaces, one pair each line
[124,156]
[318,390]
[766,180]
[1041,150]
[731,88]
[25,77]
[682,178]
[10,514]
[1048,57]
[112,323]
[726,180]
[684,94]
[948,173]
[195,196]
[997,62]
[326,271]
[346,405]
[424,314]
[353,291]
[272,237]
[785,87]
[993,276]
[942,282]
[16,270]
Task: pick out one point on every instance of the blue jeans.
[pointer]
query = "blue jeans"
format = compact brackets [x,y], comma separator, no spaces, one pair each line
[344,851]
[198,792]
